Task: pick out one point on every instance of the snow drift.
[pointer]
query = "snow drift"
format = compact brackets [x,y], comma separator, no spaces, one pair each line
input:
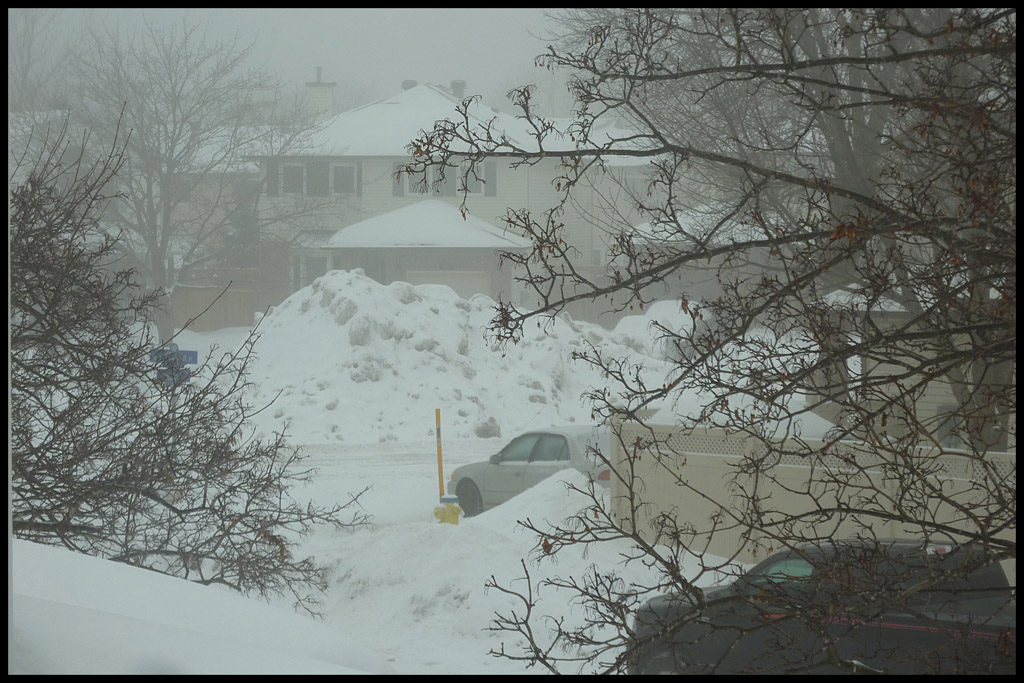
[376,360]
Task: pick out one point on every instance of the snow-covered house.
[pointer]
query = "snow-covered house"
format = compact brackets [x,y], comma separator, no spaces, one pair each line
[353,162]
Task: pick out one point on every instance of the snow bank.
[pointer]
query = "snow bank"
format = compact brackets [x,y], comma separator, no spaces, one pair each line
[640,333]
[76,614]
[357,361]
[405,597]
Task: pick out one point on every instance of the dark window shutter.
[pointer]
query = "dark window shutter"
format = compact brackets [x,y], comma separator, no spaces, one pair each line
[491,177]
[272,180]
[451,174]
[359,179]
[293,179]
[398,189]
[317,178]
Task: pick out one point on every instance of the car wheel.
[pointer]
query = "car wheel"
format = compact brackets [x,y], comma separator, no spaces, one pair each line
[469,498]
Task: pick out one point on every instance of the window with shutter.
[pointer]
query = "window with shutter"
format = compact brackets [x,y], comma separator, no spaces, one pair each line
[293,179]
[344,179]
[418,183]
[447,188]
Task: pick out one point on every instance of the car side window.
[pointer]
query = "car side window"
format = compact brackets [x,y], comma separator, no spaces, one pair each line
[552,448]
[519,449]
[786,570]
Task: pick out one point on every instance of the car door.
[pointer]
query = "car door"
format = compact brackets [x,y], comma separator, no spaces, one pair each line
[751,630]
[550,455]
[505,474]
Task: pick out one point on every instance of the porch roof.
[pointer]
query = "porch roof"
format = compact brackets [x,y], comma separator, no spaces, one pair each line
[426,224]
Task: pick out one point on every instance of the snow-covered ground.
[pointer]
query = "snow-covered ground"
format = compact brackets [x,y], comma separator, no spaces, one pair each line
[360,369]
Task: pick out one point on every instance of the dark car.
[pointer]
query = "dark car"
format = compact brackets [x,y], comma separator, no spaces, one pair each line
[844,606]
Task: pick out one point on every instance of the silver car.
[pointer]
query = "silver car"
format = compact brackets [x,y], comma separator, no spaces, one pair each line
[528,459]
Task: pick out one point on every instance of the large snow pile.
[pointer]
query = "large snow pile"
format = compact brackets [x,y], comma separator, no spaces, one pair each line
[355,360]
[641,331]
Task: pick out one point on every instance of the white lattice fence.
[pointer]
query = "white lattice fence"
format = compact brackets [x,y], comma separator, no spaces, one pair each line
[698,479]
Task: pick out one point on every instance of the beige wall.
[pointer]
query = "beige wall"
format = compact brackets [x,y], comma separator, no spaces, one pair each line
[214,308]
[695,479]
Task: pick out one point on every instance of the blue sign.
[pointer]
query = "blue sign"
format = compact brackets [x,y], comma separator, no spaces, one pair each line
[172,361]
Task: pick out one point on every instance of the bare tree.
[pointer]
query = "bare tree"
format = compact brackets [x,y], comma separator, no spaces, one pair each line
[197,111]
[114,455]
[848,177]
[34,77]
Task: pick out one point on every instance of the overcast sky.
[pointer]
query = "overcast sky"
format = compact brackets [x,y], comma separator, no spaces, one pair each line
[488,48]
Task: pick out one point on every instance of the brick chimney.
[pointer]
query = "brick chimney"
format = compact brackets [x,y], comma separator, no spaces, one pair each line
[321,95]
[459,89]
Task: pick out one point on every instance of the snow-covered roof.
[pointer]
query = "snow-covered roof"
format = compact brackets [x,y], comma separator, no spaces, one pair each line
[857,297]
[386,127]
[429,223]
[609,131]
[698,222]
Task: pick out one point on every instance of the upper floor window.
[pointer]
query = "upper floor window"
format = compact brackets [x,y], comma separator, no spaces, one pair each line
[313,178]
[411,183]
[293,179]
[481,179]
[344,179]
[419,183]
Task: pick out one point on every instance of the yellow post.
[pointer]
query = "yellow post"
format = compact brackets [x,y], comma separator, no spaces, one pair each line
[449,513]
[440,473]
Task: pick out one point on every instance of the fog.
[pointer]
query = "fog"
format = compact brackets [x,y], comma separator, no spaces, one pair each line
[371,50]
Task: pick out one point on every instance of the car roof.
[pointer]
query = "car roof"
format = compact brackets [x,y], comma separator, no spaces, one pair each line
[914,555]
[914,552]
[572,430]
[896,546]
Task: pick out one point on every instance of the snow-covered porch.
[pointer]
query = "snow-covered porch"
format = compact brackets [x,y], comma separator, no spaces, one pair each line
[429,242]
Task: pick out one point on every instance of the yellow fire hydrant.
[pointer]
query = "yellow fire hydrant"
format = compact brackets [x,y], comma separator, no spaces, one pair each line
[449,514]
